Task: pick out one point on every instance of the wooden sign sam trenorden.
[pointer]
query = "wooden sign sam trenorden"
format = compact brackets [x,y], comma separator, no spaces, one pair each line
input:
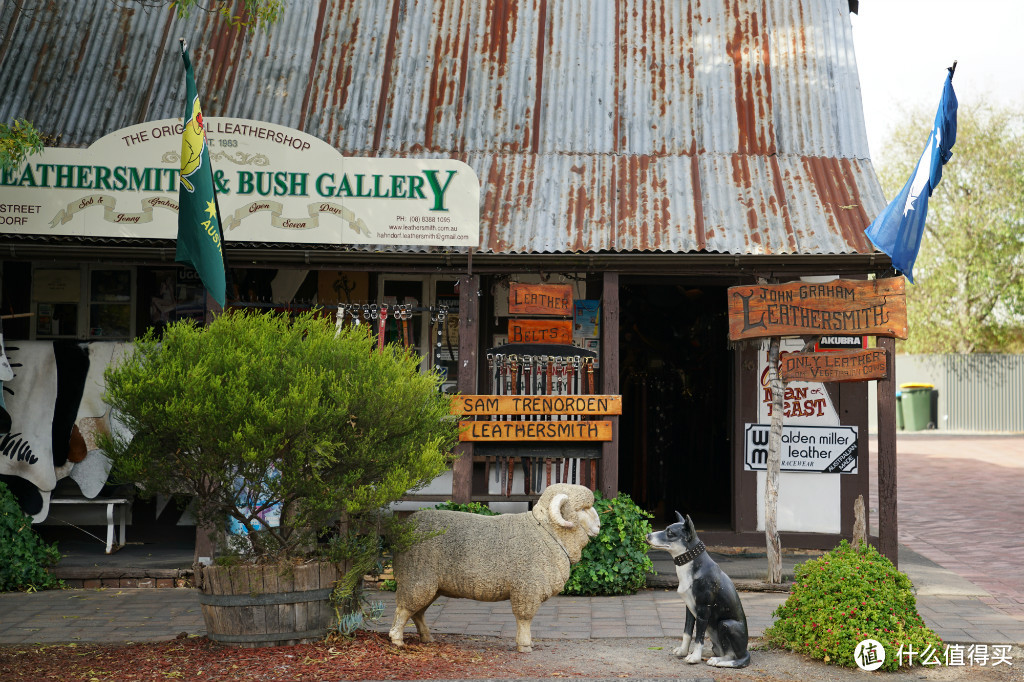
[858,307]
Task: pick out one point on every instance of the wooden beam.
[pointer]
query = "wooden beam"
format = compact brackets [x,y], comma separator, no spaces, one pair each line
[608,476]
[469,331]
[888,526]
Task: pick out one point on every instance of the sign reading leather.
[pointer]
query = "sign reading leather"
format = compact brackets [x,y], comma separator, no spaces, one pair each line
[847,307]
[539,299]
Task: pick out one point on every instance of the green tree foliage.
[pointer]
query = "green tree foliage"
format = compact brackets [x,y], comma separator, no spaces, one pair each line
[18,141]
[969,296]
[24,557]
[255,13]
[257,411]
[845,596]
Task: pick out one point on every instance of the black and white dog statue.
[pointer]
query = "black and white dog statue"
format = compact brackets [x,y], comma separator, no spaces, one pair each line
[712,603]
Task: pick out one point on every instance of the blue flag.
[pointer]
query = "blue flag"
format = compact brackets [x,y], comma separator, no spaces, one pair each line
[897,230]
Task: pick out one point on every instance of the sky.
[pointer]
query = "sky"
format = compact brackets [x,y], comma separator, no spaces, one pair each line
[904,47]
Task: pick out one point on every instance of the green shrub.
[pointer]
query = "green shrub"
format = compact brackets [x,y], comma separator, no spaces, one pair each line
[616,561]
[471,507]
[24,557]
[845,596]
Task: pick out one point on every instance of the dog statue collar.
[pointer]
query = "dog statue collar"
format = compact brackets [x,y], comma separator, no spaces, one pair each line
[689,555]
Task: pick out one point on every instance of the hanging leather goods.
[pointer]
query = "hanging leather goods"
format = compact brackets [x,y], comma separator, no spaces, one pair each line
[547,471]
[402,314]
[527,474]
[382,322]
[339,321]
[590,376]
[527,368]
[510,477]
[442,314]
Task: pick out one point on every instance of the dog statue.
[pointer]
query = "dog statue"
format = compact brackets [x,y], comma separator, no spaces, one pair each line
[712,603]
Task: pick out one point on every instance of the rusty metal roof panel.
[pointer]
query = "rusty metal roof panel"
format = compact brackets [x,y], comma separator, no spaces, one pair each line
[79,70]
[816,97]
[730,126]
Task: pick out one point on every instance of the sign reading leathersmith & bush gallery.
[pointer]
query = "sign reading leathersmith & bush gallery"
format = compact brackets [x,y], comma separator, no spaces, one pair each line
[274,184]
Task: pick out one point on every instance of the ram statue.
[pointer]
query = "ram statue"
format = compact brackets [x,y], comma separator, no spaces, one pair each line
[524,558]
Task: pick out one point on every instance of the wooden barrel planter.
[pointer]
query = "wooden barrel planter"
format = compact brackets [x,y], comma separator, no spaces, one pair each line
[255,606]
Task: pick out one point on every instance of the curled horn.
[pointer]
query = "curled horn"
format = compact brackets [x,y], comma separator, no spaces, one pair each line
[556,511]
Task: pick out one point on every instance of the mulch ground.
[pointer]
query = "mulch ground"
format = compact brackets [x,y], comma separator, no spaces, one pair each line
[365,656]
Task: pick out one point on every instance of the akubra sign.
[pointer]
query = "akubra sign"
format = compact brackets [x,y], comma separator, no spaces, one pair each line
[274,184]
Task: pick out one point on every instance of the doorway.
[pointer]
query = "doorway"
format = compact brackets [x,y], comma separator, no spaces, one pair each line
[676,379]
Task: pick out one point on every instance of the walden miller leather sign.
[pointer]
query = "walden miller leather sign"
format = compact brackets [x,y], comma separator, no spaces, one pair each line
[848,307]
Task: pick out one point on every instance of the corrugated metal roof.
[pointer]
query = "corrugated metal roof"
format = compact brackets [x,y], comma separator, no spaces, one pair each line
[730,126]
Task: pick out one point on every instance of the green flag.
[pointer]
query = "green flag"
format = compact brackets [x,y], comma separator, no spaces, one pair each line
[199,234]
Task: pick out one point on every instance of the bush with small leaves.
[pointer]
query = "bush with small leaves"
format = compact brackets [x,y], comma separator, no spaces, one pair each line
[24,557]
[616,561]
[846,596]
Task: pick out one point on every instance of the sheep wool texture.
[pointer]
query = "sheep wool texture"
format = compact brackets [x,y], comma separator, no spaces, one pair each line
[525,558]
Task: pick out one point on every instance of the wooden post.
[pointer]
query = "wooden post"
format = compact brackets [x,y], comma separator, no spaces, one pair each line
[609,475]
[771,481]
[469,330]
[888,526]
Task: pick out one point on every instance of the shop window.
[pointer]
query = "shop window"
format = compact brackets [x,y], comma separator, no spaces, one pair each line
[110,304]
[55,296]
[433,329]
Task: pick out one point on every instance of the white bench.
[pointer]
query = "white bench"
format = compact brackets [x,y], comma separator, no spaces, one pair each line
[119,504]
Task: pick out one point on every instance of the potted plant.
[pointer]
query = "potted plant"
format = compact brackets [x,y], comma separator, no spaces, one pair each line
[293,438]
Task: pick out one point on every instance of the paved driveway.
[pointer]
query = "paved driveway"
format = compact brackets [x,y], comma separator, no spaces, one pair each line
[961,504]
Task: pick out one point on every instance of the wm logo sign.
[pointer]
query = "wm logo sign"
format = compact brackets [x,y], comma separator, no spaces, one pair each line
[756,447]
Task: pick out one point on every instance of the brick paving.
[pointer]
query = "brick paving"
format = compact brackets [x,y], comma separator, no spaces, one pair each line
[960,504]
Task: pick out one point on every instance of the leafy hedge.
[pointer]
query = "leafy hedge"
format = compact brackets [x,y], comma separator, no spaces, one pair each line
[24,557]
[616,561]
[845,596]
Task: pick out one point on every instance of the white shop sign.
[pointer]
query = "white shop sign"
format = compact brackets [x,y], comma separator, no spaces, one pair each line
[809,449]
[274,184]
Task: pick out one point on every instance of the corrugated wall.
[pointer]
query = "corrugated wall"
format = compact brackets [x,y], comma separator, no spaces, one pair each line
[730,126]
[978,392]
